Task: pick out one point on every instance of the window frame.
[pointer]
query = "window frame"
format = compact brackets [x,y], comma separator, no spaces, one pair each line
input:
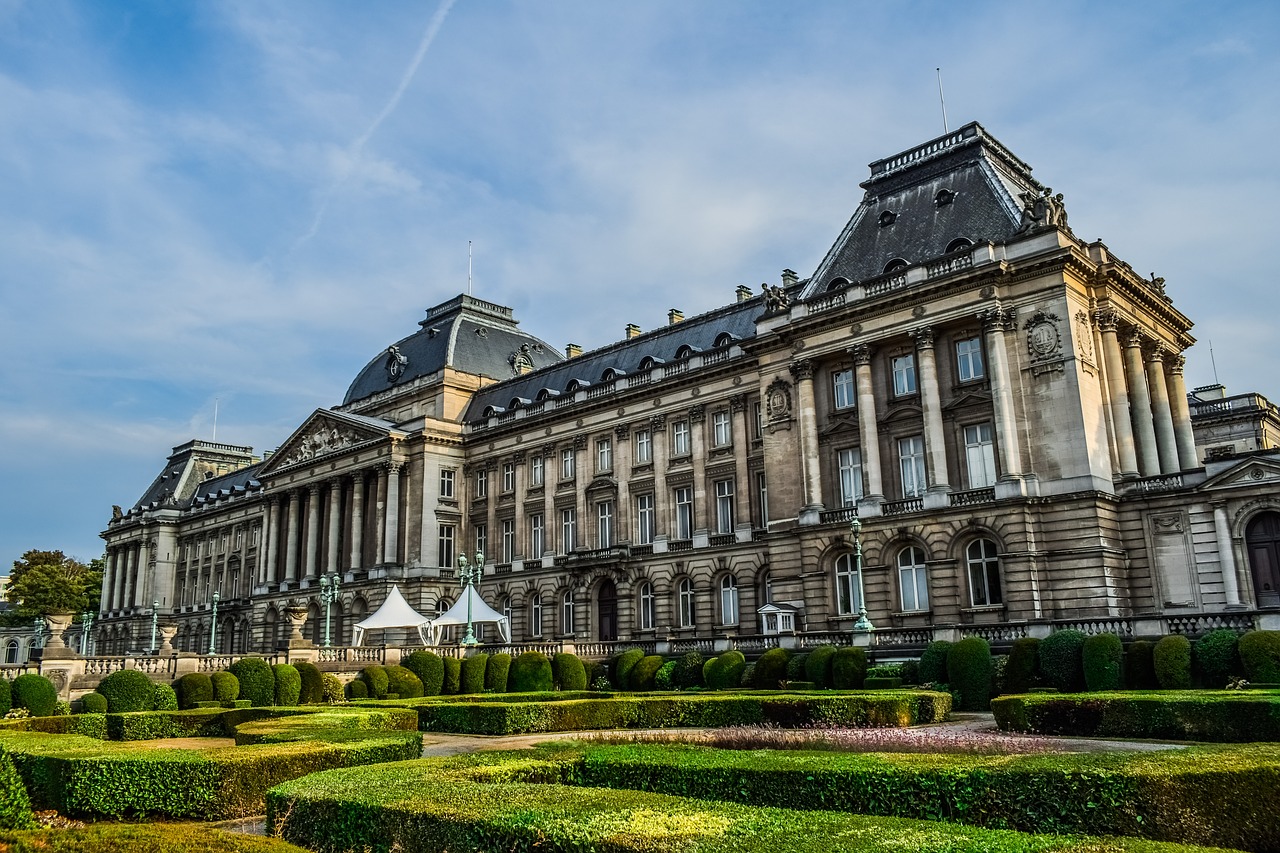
[446,545]
[987,566]
[966,359]
[847,588]
[980,452]
[568,464]
[903,369]
[535,615]
[730,613]
[482,483]
[646,519]
[844,392]
[648,607]
[537,467]
[681,439]
[643,442]
[568,529]
[508,477]
[508,540]
[568,622]
[849,475]
[911,468]
[913,575]
[604,455]
[724,493]
[682,508]
[686,604]
[605,515]
[721,429]
[537,535]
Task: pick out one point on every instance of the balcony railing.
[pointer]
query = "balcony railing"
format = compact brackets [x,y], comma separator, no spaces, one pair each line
[904,506]
[844,515]
[973,497]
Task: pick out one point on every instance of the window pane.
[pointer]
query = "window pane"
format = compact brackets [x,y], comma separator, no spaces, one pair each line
[849,464]
[911,465]
[969,359]
[980,456]
[904,375]
[842,389]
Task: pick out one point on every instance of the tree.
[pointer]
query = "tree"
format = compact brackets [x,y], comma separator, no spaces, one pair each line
[45,582]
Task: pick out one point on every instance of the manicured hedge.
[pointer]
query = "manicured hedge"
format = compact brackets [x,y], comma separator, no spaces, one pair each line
[969,672]
[357,689]
[1260,656]
[192,688]
[1217,716]
[402,682]
[770,669]
[452,681]
[6,696]
[312,687]
[332,687]
[226,687]
[163,698]
[1216,658]
[621,665]
[1172,659]
[257,684]
[644,672]
[849,668]
[724,672]
[288,684]
[1024,661]
[817,666]
[1140,666]
[1062,661]
[471,679]
[126,690]
[933,663]
[688,671]
[662,678]
[429,668]
[497,673]
[531,673]
[375,679]
[15,805]
[1102,656]
[142,838]
[93,703]
[568,672]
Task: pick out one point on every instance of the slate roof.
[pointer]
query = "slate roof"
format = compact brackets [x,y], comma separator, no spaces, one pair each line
[466,334]
[179,486]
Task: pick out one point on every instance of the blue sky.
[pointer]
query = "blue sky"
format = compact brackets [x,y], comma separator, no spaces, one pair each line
[246,201]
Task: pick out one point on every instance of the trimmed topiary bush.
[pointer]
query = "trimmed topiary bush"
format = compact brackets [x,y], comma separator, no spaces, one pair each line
[688,671]
[817,666]
[471,679]
[622,665]
[933,663]
[126,690]
[725,671]
[257,684]
[662,678]
[496,675]
[430,671]
[597,675]
[848,668]
[331,687]
[375,678]
[452,676]
[6,697]
[1061,662]
[357,690]
[1024,661]
[288,684]
[192,688]
[1172,659]
[312,692]
[93,703]
[531,673]
[569,674]
[1260,656]
[163,698]
[969,673]
[15,804]
[643,673]
[770,669]
[226,687]
[795,666]
[1216,658]
[402,682]
[1140,667]
[1102,656]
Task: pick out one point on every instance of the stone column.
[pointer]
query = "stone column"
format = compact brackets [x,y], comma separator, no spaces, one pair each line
[1162,415]
[108,579]
[622,473]
[703,508]
[357,520]
[1140,401]
[995,323]
[1188,459]
[380,515]
[1121,419]
[144,566]
[334,531]
[271,542]
[868,429]
[661,500]
[582,476]
[807,416]
[931,407]
[313,531]
[391,549]
[1226,554]
[291,539]
[122,573]
[742,448]
[550,477]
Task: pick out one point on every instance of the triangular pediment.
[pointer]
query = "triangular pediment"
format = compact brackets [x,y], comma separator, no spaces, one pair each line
[845,423]
[328,433]
[969,398]
[1248,473]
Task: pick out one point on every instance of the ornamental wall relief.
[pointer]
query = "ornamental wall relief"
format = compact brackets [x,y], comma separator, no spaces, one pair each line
[1044,343]
[778,404]
[324,438]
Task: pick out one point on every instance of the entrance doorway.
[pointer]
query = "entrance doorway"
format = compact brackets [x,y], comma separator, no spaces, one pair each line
[607,608]
[1262,542]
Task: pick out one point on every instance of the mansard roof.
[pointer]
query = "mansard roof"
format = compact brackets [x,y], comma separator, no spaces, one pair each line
[191,473]
[466,334]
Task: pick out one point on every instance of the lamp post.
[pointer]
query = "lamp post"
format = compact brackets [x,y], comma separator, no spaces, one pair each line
[213,627]
[86,625]
[468,575]
[863,623]
[38,642]
[328,595]
[155,618]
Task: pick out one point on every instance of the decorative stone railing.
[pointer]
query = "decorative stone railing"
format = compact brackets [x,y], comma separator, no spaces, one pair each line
[904,506]
[972,497]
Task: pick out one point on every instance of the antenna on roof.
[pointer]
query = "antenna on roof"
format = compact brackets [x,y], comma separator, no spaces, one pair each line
[943,101]
[215,419]
[469,268]
[1213,362]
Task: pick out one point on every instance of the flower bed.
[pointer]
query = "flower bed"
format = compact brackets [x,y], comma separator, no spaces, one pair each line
[1217,716]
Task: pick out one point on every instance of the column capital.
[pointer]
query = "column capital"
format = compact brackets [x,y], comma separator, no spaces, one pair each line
[801,369]
[1108,319]
[923,336]
[548,449]
[1135,338]
[1157,352]
[861,354]
[738,402]
[579,442]
[997,319]
[1176,363]
[622,431]
[313,488]
[697,414]
[518,457]
[658,422]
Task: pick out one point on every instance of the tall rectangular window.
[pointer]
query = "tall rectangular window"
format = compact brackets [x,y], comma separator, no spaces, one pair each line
[535,615]
[849,465]
[482,483]
[508,540]
[482,539]
[680,438]
[842,392]
[762,499]
[568,529]
[604,524]
[446,483]
[537,537]
[444,546]
[508,477]
[724,506]
[566,613]
[684,512]
[604,455]
[911,464]
[720,435]
[568,463]
[904,375]
[758,420]
[644,519]
[969,359]
[536,467]
[643,447]
[979,454]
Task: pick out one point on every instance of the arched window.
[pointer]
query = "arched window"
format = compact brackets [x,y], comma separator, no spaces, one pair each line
[766,587]
[848,589]
[913,580]
[566,612]
[895,265]
[504,606]
[984,573]
[837,283]
[684,596]
[648,607]
[535,615]
[728,600]
[959,244]
[11,651]
[442,607]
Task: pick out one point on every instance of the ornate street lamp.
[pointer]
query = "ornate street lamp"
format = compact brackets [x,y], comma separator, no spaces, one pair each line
[155,618]
[469,575]
[86,625]
[863,623]
[328,595]
[213,627]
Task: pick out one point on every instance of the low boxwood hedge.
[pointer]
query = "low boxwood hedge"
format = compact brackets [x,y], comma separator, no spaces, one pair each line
[496,673]
[142,838]
[1217,716]
[471,679]
[15,805]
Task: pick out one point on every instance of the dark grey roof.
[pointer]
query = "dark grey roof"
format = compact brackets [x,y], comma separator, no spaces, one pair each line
[466,334]
[228,485]
[725,326]
[181,481]
[900,216]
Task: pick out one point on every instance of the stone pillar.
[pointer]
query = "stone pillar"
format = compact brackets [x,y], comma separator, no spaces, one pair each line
[550,524]
[334,531]
[313,531]
[582,476]
[144,566]
[807,416]
[704,508]
[741,473]
[867,427]
[1226,554]
[1121,419]
[622,531]
[1162,415]
[1140,401]
[391,549]
[380,516]
[271,542]
[1182,432]
[931,406]
[291,540]
[357,520]
[108,579]
[661,500]
[995,323]
[123,554]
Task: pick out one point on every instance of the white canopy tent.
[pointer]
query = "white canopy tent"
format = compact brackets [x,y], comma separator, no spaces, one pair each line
[395,612]
[481,614]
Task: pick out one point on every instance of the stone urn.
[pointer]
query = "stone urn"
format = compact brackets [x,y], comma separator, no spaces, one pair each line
[58,624]
[168,631]
[297,616]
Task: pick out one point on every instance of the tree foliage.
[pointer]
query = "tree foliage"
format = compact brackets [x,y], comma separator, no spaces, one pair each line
[45,582]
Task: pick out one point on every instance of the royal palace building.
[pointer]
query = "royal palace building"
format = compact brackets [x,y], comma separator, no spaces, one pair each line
[998,403]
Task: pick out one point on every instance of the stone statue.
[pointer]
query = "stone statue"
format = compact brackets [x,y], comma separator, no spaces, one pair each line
[775,299]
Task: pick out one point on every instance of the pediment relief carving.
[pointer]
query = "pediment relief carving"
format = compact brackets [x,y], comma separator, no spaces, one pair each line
[1249,473]
[319,437]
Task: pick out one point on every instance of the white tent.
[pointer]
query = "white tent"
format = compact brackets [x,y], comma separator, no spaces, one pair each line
[481,614]
[395,612]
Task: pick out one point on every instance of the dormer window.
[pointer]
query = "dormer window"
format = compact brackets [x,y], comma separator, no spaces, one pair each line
[725,339]
[838,283]
[960,244]
[895,265]
[887,218]
[944,197]
[685,351]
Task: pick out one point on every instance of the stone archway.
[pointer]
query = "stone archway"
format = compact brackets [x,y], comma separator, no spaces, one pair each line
[1262,544]
[607,611]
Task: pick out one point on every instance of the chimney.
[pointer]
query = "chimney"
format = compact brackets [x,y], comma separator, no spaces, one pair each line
[744,293]
[789,278]
[675,315]
[572,350]
[633,331]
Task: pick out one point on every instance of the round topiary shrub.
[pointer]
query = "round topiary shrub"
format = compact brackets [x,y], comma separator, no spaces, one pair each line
[1172,659]
[164,698]
[126,690]
[375,679]
[569,674]
[1061,660]
[312,692]
[1102,656]
[620,670]
[933,663]
[6,696]
[770,669]
[688,671]
[452,681]
[817,667]
[429,668]
[795,666]
[288,684]
[643,673]
[499,670]
[1024,661]
[471,679]
[1140,666]
[597,675]
[357,690]
[403,682]
[662,678]
[1216,657]
[531,673]
[1260,656]
[226,687]
[92,703]
[969,670]
[848,668]
[192,688]
[331,687]
[257,684]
